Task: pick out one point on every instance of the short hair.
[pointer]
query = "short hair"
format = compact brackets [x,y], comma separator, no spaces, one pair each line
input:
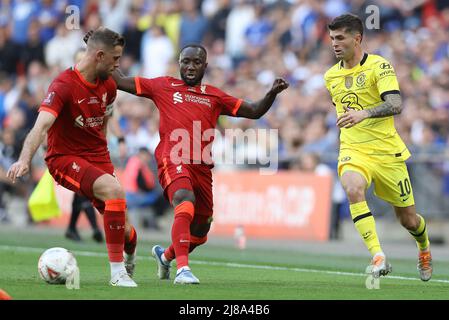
[350,22]
[193,45]
[105,37]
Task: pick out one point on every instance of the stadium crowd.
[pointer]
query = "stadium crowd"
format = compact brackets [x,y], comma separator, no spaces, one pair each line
[249,43]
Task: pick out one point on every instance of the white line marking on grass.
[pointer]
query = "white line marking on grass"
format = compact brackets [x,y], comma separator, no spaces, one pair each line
[223,264]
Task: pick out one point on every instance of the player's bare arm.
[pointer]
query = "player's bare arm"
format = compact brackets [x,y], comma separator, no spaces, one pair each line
[124,83]
[255,110]
[105,125]
[391,107]
[32,142]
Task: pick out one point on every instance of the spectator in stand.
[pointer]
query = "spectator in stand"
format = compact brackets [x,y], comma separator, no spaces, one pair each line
[23,13]
[143,196]
[33,49]
[414,36]
[48,16]
[9,58]
[193,24]
[113,14]
[157,52]
[60,50]
[81,203]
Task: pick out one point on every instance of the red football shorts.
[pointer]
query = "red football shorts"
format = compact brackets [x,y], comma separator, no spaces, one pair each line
[194,177]
[79,175]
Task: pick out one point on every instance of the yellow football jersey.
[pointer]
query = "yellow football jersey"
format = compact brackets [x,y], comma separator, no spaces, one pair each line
[364,87]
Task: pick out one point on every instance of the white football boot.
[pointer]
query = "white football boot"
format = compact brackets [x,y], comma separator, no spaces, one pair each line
[185,276]
[122,279]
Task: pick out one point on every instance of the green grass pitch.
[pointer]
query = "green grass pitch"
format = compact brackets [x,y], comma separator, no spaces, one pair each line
[225,273]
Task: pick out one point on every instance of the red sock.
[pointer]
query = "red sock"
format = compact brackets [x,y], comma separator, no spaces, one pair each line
[180,232]
[131,242]
[169,253]
[114,228]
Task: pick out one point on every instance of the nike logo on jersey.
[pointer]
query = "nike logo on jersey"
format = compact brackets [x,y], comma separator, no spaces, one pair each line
[79,101]
[403,200]
[184,240]
[176,84]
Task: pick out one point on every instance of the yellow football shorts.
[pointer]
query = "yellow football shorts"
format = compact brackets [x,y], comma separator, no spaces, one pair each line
[391,179]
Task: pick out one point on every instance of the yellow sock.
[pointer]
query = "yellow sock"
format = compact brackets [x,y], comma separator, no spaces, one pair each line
[366,226]
[420,235]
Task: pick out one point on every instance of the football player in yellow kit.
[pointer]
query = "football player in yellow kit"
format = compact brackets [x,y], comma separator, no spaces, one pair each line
[366,94]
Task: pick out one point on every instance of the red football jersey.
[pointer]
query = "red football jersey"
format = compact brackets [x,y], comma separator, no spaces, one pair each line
[187,117]
[80,108]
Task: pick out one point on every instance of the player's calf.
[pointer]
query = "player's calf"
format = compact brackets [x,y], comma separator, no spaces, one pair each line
[196,241]
[129,253]
[114,227]
[199,229]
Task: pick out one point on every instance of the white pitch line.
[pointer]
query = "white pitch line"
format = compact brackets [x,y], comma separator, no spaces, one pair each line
[223,264]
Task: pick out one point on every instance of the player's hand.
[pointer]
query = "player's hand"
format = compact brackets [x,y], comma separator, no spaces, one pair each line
[351,117]
[17,170]
[279,85]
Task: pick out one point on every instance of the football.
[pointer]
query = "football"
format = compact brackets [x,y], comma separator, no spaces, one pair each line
[56,265]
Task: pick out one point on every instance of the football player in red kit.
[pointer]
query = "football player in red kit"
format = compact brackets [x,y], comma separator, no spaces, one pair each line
[75,114]
[189,108]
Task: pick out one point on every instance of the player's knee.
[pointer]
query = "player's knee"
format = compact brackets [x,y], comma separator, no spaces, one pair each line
[115,191]
[182,195]
[107,187]
[355,193]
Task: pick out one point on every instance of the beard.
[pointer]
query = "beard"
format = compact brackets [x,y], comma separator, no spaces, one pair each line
[103,75]
[193,82]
